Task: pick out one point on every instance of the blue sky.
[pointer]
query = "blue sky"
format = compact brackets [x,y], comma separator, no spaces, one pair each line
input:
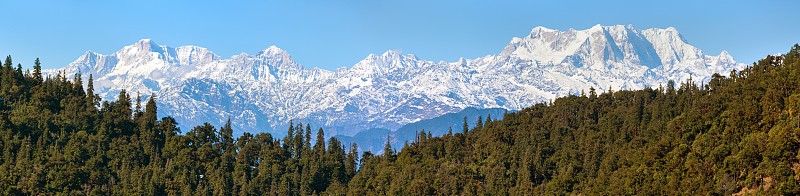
[332,34]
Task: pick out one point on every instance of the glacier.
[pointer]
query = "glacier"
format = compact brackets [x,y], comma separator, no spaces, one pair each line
[264,91]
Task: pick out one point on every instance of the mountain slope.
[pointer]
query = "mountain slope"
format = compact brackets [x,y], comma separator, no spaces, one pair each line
[375,139]
[263,91]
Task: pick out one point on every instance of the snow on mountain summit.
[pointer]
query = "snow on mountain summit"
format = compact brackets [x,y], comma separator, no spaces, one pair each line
[594,47]
[389,61]
[262,92]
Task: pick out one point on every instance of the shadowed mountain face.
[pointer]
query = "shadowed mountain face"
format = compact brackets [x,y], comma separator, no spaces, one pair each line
[263,91]
[375,139]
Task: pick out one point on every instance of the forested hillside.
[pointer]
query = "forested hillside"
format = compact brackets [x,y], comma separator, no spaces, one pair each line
[739,133]
[736,134]
[59,139]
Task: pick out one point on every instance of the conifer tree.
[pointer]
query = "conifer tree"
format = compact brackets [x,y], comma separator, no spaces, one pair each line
[670,87]
[37,71]
[287,140]
[319,145]
[137,113]
[479,124]
[351,163]
[226,136]
[307,138]
[150,111]
[91,98]
[465,126]
[387,149]
[8,62]
[298,140]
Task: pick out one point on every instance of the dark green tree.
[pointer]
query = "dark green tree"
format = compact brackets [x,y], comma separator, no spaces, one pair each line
[465,126]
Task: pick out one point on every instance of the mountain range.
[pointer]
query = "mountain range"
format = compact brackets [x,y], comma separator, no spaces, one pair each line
[264,91]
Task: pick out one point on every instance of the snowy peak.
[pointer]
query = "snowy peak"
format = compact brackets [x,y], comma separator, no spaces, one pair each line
[92,63]
[603,46]
[628,44]
[142,51]
[538,30]
[616,28]
[147,45]
[142,48]
[389,61]
[397,55]
[722,61]
[392,53]
[595,28]
[724,55]
[272,51]
[87,57]
[195,55]
[671,46]
[278,58]
[148,50]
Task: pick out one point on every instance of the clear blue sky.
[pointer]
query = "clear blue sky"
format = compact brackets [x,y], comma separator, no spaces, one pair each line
[332,34]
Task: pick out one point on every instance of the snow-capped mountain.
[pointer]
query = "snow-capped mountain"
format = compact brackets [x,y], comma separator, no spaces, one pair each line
[263,91]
